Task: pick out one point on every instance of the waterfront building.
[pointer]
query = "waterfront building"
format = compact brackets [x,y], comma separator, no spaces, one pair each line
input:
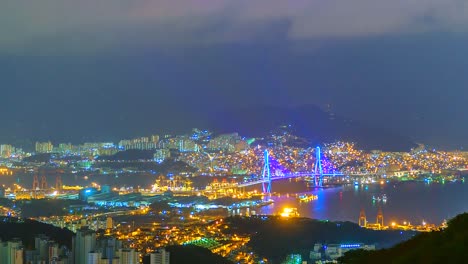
[335,251]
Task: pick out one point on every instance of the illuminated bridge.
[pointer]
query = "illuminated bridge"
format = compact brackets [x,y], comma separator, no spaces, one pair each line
[316,176]
[267,178]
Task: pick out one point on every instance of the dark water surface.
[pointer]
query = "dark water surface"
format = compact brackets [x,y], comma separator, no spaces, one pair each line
[409,201]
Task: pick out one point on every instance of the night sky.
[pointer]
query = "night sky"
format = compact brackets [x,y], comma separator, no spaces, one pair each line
[117,68]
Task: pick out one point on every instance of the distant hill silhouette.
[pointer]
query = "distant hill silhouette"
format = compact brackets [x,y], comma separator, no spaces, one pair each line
[311,123]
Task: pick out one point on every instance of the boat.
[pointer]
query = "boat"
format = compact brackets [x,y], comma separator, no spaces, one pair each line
[307,197]
[382,198]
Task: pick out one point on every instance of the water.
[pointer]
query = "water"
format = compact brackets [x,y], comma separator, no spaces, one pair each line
[410,201]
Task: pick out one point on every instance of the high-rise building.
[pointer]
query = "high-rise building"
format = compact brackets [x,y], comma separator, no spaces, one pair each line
[187,145]
[6,150]
[84,243]
[109,224]
[65,148]
[161,256]
[142,143]
[128,256]
[46,251]
[41,245]
[11,252]
[155,138]
[107,151]
[109,247]
[225,142]
[94,257]
[44,147]
[161,154]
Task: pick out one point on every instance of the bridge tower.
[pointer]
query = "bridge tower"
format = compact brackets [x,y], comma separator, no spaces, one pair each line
[318,170]
[266,173]
[58,182]
[380,217]
[362,218]
[35,185]
[43,182]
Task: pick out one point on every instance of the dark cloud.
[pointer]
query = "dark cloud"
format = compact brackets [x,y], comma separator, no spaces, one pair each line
[85,68]
[222,20]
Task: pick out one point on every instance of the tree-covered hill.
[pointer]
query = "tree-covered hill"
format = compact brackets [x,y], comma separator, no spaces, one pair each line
[275,237]
[26,230]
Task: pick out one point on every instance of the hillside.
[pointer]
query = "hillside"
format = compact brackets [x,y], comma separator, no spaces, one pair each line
[310,122]
[27,229]
[275,237]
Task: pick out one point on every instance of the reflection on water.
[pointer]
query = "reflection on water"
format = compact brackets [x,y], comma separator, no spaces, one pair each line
[409,201]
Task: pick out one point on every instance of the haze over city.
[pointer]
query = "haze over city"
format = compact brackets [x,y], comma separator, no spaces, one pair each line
[84,70]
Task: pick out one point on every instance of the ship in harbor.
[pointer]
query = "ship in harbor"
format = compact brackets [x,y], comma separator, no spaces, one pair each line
[304,198]
[379,198]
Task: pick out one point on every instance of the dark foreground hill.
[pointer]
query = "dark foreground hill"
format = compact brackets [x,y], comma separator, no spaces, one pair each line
[26,230]
[195,255]
[275,237]
[447,246]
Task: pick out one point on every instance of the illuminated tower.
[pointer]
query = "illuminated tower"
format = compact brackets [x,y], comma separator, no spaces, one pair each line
[35,185]
[318,171]
[380,217]
[266,176]
[362,218]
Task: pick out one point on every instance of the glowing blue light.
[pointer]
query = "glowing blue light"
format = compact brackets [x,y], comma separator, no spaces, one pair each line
[350,246]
